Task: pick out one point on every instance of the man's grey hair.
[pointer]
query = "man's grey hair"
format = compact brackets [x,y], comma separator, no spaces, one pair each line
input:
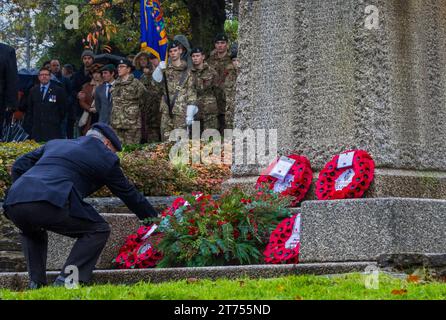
[96,134]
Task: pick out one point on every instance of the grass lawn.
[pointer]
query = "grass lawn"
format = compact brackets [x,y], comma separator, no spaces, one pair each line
[351,286]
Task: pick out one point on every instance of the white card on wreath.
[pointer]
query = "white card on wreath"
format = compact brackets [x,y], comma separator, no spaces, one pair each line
[344,179]
[282,168]
[345,160]
[282,185]
[294,239]
[149,233]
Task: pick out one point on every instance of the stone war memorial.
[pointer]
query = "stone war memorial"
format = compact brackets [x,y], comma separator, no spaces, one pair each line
[332,76]
[327,76]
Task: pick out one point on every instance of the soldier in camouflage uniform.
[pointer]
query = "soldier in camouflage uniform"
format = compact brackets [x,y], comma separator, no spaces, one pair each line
[181,92]
[129,96]
[152,116]
[205,82]
[221,61]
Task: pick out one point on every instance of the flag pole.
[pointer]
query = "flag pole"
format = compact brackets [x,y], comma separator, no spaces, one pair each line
[167,94]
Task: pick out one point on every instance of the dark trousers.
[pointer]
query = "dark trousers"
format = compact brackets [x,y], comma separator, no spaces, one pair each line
[34,219]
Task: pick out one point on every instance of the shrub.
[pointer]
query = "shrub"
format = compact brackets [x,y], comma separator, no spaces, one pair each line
[147,166]
[9,152]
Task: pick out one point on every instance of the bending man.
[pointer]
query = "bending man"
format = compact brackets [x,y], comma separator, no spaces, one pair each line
[49,185]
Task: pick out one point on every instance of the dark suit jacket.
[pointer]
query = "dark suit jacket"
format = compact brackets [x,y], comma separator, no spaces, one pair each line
[67,171]
[102,104]
[47,115]
[8,79]
[77,81]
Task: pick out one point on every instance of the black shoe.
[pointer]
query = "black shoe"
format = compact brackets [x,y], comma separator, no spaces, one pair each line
[59,282]
[34,285]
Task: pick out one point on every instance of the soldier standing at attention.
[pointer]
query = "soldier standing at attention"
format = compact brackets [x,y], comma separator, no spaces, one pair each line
[205,82]
[221,61]
[128,104]
[152,117]
[181,92]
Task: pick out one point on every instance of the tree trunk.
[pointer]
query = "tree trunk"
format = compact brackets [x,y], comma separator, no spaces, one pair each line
[207,18]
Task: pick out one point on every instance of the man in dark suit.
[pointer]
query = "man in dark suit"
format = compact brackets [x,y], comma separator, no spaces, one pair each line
[8,81]
[49,185]
[46,108]
[103,97]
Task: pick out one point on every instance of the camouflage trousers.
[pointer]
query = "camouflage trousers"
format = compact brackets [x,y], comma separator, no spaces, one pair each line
[209,121]
[169,124]
[129,136]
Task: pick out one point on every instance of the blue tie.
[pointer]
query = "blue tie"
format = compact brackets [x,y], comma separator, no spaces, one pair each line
[43,92]
[108,91]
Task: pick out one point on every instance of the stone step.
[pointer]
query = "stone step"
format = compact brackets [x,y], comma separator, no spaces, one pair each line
[12,261]
[115,205]
[122,225]
[19,281]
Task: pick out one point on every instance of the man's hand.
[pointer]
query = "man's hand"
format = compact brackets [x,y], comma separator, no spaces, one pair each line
[192,110]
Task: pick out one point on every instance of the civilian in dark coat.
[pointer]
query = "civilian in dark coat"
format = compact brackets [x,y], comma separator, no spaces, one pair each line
[8,81]
[46,108]
[49,185]
[103,99]
[80,78]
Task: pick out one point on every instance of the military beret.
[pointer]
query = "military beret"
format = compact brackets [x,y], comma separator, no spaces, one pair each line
[127,62]
[174,44]
[197,50]
[221,37]
[109,67]
[108,132]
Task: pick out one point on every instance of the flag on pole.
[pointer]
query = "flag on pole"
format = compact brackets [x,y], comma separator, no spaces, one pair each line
[153,30]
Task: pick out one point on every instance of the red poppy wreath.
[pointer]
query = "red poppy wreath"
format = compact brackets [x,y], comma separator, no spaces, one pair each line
[289,176]
[284,242]
[139,251]
[347,175]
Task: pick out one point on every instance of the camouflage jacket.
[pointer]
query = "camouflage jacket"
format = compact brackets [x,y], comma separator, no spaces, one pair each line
[205,83]
[154,91]
[224,67]
[128,102]
[180,96]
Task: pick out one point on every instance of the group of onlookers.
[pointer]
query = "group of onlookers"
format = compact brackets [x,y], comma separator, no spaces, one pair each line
[142,98]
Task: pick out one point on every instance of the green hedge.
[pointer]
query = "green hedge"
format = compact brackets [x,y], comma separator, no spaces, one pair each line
[147,166]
